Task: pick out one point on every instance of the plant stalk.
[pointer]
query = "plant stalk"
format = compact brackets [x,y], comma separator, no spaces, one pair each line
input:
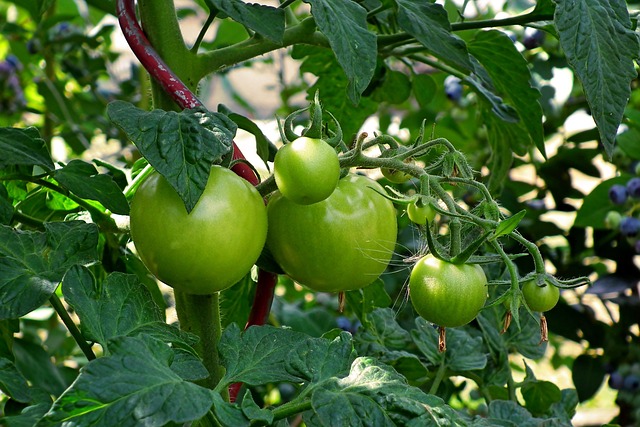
[57,305]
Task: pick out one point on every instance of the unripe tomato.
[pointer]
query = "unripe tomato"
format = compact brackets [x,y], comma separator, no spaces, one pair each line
[208,249]
[540,298]
[341,243]
[420,214]
[306,170]
[396,176]
[447,294]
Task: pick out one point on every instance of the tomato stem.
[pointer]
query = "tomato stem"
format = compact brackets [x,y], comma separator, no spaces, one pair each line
[200,315]
[57,305]
[442,369]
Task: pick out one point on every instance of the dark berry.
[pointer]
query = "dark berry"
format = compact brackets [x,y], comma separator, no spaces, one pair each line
[453,88]
[537,204]
[616,380]
[533,38]
[636,246]
[633,188]
[629,226]
[631,383]
[344,323]
[618,194]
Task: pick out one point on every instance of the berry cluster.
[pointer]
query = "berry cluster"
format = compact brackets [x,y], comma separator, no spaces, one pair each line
[618,381]
[11,94]
[627,224]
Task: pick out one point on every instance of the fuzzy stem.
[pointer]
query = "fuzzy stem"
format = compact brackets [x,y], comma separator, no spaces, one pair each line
[200,315]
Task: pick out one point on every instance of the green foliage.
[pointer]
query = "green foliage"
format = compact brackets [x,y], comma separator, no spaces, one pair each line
[85,335]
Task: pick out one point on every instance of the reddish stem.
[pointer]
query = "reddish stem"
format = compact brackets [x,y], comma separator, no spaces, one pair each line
[185,98]
[160,71]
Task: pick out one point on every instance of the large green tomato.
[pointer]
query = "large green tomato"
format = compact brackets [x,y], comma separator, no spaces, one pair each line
[306,170]
[540,298]
[447,294]
[208,249]
[342,243]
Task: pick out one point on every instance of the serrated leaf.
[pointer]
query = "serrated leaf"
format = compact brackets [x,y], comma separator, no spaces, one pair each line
[255,413]
[23,147]
[496,52]
[6,208]
[600,46]
[32,263]
[12,383]
[429,24]
[344,23]
[317,359]
[187,365]
[83,180]
[540,395]
[118,306]
[483,85]
[180,146]
[257,355]
[462,349]
[267,21]
[364,301]
[229,414]
[381,333]
[37,366]
[374,394]
[133,386]
[508,225]
[236,301]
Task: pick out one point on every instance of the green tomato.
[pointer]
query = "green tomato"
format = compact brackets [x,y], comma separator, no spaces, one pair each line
[395,176]
[306,170]
[540,298]
[420,214]
[342,243]
[447,294]
[208,249]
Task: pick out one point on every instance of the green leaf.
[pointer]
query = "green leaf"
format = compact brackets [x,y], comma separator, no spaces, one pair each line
[132,387]
[83,180]
[508,225]
[381,333]
[264,147]
[12,383]
[501,135]
[257,355]
[587,373]
[344,23]
[600,46]
[483,86]
[364,301]
[119,306]
[23,147]
[228,414]
[424,89]
[540,395]
[317,359]
[375,395]
[395,88]
[628,142]
[267,21]
[496,52]
[32,263]
[28,417]
[462,349]
[36,365]
[6,208]
[429,24]
[596,205]
[236,301]
[181,146]
[255,413]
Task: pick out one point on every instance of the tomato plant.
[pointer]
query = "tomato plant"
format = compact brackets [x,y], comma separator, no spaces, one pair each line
[447,294]
[342,243]
[306,170]
[540,298]
[453,96]
[205,250]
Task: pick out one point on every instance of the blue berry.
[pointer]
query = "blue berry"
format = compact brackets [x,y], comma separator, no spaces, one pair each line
[629,226]
[344,323]
[616,380]
[533,38]
[453,88]
[633,188]
[631,383]
[618,194]
[636,246]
